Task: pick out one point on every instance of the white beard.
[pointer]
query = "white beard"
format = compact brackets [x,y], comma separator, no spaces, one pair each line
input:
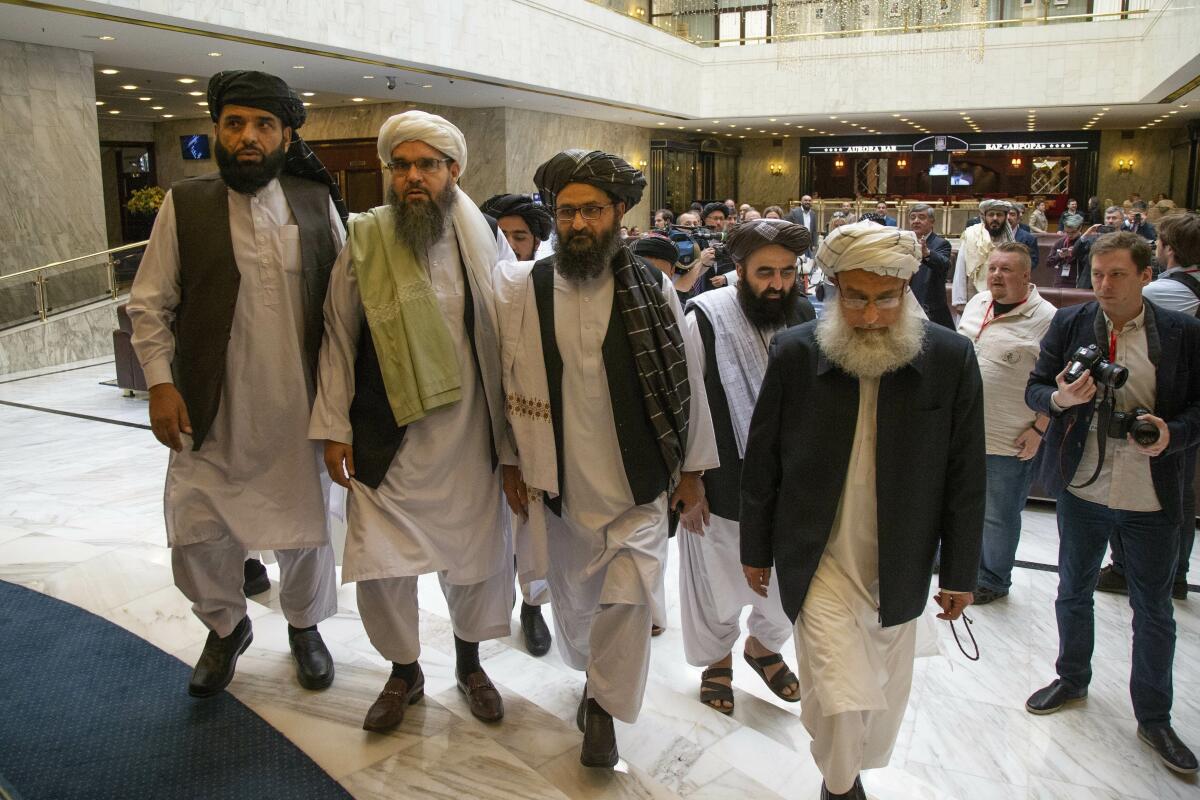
[869,354]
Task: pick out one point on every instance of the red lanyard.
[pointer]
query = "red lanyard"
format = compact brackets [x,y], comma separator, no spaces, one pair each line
[1112,346]
[988,321]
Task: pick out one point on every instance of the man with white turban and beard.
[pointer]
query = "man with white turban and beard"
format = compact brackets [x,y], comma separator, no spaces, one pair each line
[890,469]
[410,408]
[611,427]
[977,241]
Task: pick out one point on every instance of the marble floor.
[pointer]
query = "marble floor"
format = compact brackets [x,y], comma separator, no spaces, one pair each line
[81,519]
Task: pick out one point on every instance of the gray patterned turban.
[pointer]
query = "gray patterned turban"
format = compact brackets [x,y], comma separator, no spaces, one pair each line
[744,239]
[613,174]
[994,205]
[870,246]
[536,215]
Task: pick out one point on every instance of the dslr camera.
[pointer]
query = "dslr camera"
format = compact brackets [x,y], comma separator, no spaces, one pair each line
[691,243]
[1107,374]
[1144,431]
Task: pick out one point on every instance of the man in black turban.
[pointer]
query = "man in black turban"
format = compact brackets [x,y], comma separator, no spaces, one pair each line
[524,221]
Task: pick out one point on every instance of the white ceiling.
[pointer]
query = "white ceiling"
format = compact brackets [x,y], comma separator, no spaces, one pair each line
[154,59]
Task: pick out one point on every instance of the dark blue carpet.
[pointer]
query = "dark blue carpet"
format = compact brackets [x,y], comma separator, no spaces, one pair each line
[90,711]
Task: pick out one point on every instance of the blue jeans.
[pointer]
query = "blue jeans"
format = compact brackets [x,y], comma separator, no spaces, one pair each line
[1151,550]
[1187,529]
[1008,481]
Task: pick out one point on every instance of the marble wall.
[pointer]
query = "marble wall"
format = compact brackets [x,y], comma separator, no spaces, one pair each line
[65,339]
[756,185]
[1152,164]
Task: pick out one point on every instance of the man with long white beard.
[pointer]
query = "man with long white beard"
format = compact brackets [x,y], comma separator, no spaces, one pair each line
[729,329]
[970,270]
[411,412]
[890,469]
[611,428]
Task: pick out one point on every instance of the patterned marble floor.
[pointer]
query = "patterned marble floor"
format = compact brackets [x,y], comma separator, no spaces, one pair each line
[81,519]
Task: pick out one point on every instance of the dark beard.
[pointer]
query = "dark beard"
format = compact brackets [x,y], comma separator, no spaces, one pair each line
[582,257]
[995,231]
[767,312]
[249,178]
[420,223]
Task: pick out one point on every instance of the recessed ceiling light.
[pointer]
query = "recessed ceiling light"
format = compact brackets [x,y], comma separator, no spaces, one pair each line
[186,81]
[1105,108]
[114,111]
[107,38]
[962,113]
[662,123]
[679,127]
[1183,105]
[762,131]
[306,105]
[129,86]
[196,94]
[772,119]
[109,71]
[895,115]
[202,103]
[814,130]
[787,136]
[358,99]
[734,126]
[716,122]
[157,108]
[904,119]
[308,94]
[143,99]
[745,129]
[167,116]
[1142,128]
[831,116]
[297,66]
[100,102]
[215,54]
[729,134]
[699,131]
[743,136]
[1172,112]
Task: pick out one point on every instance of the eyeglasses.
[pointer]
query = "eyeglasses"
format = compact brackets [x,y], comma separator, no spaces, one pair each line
[427,166]
[859,304]
[588,212]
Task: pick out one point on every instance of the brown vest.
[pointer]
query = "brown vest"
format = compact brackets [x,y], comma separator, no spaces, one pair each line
[209,281]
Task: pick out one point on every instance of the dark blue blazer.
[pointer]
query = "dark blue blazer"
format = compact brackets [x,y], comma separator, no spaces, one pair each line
[1028,239]
[1177,397]
[929,284]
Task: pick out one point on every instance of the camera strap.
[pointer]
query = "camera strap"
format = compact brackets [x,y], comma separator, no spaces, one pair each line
[1102,416]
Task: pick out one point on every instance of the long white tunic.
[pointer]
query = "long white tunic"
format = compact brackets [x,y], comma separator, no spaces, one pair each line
[257,476]
[438,508]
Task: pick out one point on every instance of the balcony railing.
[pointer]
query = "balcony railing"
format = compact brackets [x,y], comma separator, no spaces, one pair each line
[41,292]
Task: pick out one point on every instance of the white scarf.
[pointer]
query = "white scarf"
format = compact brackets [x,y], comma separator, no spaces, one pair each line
[977,244]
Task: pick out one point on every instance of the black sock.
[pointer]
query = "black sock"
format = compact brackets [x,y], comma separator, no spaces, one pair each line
[293,631]
[408,672]
[466,657]
[530,611]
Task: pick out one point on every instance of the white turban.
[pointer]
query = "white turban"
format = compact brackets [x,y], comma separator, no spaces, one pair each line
[994,205]
[420,126]
[868,245]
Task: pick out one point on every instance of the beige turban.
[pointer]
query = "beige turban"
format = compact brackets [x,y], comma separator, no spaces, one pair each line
[994,205]
[868,245]
[419,126]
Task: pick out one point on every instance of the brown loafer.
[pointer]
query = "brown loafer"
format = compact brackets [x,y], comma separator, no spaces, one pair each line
[388,709]
[482,696]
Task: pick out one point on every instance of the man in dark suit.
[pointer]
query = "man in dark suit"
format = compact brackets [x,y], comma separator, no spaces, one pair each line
[1021,232]
[804,214]
[892,469]
[1136,490]
[929,284]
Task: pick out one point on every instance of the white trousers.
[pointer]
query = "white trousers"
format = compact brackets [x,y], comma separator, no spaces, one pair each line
[389,611]
[211,574]
[603,588]
[535,593]
[713,592]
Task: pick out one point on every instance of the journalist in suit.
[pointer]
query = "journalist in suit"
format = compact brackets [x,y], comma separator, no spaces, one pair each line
[929,284]
[1139,491]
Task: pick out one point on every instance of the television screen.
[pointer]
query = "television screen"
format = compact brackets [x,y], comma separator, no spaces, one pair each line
[962,179]
[939,169]
[195,147]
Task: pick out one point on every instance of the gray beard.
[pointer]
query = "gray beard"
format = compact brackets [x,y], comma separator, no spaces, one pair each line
[421,223]
[866,354]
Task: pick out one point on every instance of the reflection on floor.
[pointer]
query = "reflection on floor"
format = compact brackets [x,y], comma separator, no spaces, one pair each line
[81,519]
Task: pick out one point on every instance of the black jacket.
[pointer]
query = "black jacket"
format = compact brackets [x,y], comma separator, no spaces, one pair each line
[1026,237]
[929,284]
[930,475]
[1177,396]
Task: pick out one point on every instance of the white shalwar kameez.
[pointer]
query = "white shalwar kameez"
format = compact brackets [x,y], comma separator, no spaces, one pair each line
[607,555]
[256,483]
[855,675]
[438,508]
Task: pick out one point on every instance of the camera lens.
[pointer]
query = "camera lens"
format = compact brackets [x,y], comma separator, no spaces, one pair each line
[1144,432]
[1111,375]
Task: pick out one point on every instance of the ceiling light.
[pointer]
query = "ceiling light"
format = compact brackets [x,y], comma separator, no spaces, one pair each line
[358,99]
[202,103]
[107,38]
[196,94]
[904,119]
[716,122]
[131,87]
[814,130]
[831,116]
[662,123]
[114,111]
[306,105]
[99,102]
[167,116]
[745,129]
[743,136]
[109,71]
[734,126]
[308,94]
[1183,105]
[962,113]
[368,77]
[1105,108]
[426,85]
[699,131]
[1172,112]
[679,127]
[297,66]
[215,55]
[186,80]
[157,108]
[895,115]
[143,99]
[729,134]
[772,119]
[762,131]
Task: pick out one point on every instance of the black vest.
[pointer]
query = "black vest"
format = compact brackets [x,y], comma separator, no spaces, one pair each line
[644,465]
[209,282]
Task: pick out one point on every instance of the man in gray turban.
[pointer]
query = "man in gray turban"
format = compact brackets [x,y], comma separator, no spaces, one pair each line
[970,271]
[852,509]
[227,318]
[729,329]
[611,429]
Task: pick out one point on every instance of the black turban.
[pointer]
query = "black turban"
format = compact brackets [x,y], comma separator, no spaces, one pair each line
[536,215]
[654,245]
[747,237]
[603,170]
[253,89]
[710,208]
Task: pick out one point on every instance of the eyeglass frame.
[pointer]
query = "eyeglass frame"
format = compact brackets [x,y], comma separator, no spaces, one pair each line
[560,211]
[393,165]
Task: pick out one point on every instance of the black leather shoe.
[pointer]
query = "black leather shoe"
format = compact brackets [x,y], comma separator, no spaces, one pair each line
[1111,581]
[314,664]
[1053,697]
[1171,751]
[254,578]
[1179,590]
[599,736]
[984,595]
[215,668]
[857,792]
[537,634]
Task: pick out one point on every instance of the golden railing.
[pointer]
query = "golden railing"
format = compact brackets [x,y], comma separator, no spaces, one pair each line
[39,293]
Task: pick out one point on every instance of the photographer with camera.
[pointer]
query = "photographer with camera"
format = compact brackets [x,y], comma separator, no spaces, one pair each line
[713,222]
[1119,473]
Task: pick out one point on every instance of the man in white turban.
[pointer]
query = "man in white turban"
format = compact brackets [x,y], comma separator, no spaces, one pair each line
[893,470]
[410,409]
[970,270]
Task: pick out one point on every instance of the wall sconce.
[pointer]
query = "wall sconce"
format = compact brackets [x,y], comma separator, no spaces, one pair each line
[642,165]
[838,163]
[902,163]
[1015,162]
[1124,165]
[776,168]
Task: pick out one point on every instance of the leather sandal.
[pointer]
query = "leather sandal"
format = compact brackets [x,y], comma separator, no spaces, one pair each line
[712,692]
[782,679]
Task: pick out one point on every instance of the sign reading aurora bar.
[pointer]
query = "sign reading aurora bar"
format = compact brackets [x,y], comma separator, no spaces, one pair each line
[1031,146]
[860,148]
[941,143]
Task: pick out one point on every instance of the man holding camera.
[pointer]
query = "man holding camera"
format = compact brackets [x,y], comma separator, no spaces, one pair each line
[1130,355]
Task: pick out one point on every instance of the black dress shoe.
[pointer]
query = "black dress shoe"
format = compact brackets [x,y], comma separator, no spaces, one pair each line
[537,634]
[1053,697]
[1171,751]
[857,792]
[1111,581]
[1179,590]
[314,664]
[215,668]
[254,578]
[599,736]
[984,595]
